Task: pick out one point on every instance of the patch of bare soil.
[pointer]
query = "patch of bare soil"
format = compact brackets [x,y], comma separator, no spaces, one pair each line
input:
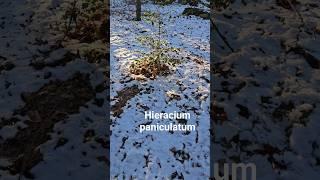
[123,97]
[218,114]
[50,104]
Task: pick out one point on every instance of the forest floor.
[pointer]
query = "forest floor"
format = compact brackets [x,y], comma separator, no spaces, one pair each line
[52,95]
[158,155]
[266,87]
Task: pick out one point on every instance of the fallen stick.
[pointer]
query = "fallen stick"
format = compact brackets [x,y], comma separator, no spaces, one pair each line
[224,39]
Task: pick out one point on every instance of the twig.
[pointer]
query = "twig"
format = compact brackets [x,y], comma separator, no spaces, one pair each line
[296,11]
[224,39]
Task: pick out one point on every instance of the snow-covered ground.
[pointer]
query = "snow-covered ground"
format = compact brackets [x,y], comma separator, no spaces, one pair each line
[159,155]
[53,121]
[268,88]
[266,94]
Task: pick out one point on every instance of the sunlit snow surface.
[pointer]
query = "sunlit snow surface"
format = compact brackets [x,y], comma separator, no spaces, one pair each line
[150,155]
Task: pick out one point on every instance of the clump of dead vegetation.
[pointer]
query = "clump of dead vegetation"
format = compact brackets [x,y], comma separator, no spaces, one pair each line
[86,20]
[149,67]
[85,30]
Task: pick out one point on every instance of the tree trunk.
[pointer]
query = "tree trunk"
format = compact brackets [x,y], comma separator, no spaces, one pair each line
[138,10]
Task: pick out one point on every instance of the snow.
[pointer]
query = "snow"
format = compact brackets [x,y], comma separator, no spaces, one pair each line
[191,36]
[283,145]
[27,34]
[261,34]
